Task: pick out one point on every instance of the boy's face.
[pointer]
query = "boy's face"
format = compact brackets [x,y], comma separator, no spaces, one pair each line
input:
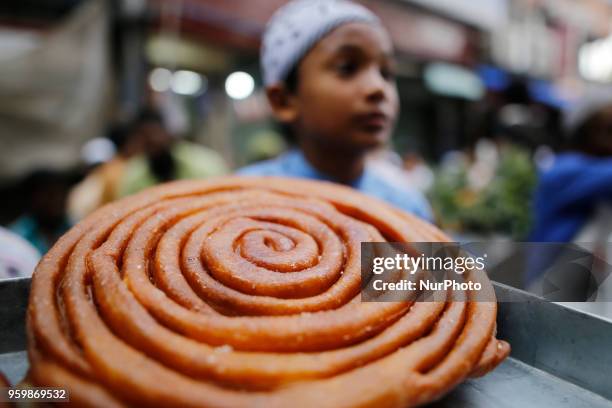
[346,95]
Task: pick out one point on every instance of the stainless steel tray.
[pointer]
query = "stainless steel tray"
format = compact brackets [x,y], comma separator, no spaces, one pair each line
[560,357]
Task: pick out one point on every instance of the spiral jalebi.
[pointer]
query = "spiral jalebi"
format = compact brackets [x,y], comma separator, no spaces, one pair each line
[244,292]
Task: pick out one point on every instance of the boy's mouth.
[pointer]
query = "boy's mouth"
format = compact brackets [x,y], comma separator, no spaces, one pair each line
[374,121]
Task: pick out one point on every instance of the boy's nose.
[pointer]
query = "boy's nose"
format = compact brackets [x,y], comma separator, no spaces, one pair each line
[375,86]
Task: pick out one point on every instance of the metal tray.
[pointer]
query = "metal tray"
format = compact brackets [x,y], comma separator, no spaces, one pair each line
[560,357]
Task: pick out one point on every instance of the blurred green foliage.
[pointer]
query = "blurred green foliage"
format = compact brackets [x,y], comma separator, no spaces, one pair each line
[502,206]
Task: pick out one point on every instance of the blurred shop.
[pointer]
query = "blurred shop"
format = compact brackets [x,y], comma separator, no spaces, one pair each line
[483,86]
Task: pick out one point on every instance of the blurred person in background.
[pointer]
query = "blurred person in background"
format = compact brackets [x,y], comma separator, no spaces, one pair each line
[45,218]
[165,157]
[328,69]
[101,186]
[573,204]
[576,186]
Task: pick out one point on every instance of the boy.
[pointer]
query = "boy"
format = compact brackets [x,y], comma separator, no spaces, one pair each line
[328,72]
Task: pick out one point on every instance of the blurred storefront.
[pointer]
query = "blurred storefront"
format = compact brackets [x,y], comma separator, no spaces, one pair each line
[54,86]
[447,51]
[499,70]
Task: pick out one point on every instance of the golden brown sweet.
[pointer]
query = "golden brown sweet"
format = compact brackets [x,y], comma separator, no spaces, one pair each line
[244,292]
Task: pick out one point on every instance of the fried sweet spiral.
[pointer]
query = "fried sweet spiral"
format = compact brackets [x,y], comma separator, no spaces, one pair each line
[244,292]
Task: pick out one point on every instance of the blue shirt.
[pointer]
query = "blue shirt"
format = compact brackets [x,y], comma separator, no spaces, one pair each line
[294,164]
[567,195]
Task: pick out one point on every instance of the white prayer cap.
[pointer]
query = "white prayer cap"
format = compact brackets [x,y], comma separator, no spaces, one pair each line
[297,26]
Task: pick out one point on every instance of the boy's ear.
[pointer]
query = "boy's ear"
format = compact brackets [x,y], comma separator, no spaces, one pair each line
[283,103]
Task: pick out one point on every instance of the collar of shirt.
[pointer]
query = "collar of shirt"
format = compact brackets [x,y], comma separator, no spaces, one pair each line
[296,164]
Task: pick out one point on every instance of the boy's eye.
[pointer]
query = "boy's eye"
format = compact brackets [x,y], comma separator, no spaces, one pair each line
[346,68]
